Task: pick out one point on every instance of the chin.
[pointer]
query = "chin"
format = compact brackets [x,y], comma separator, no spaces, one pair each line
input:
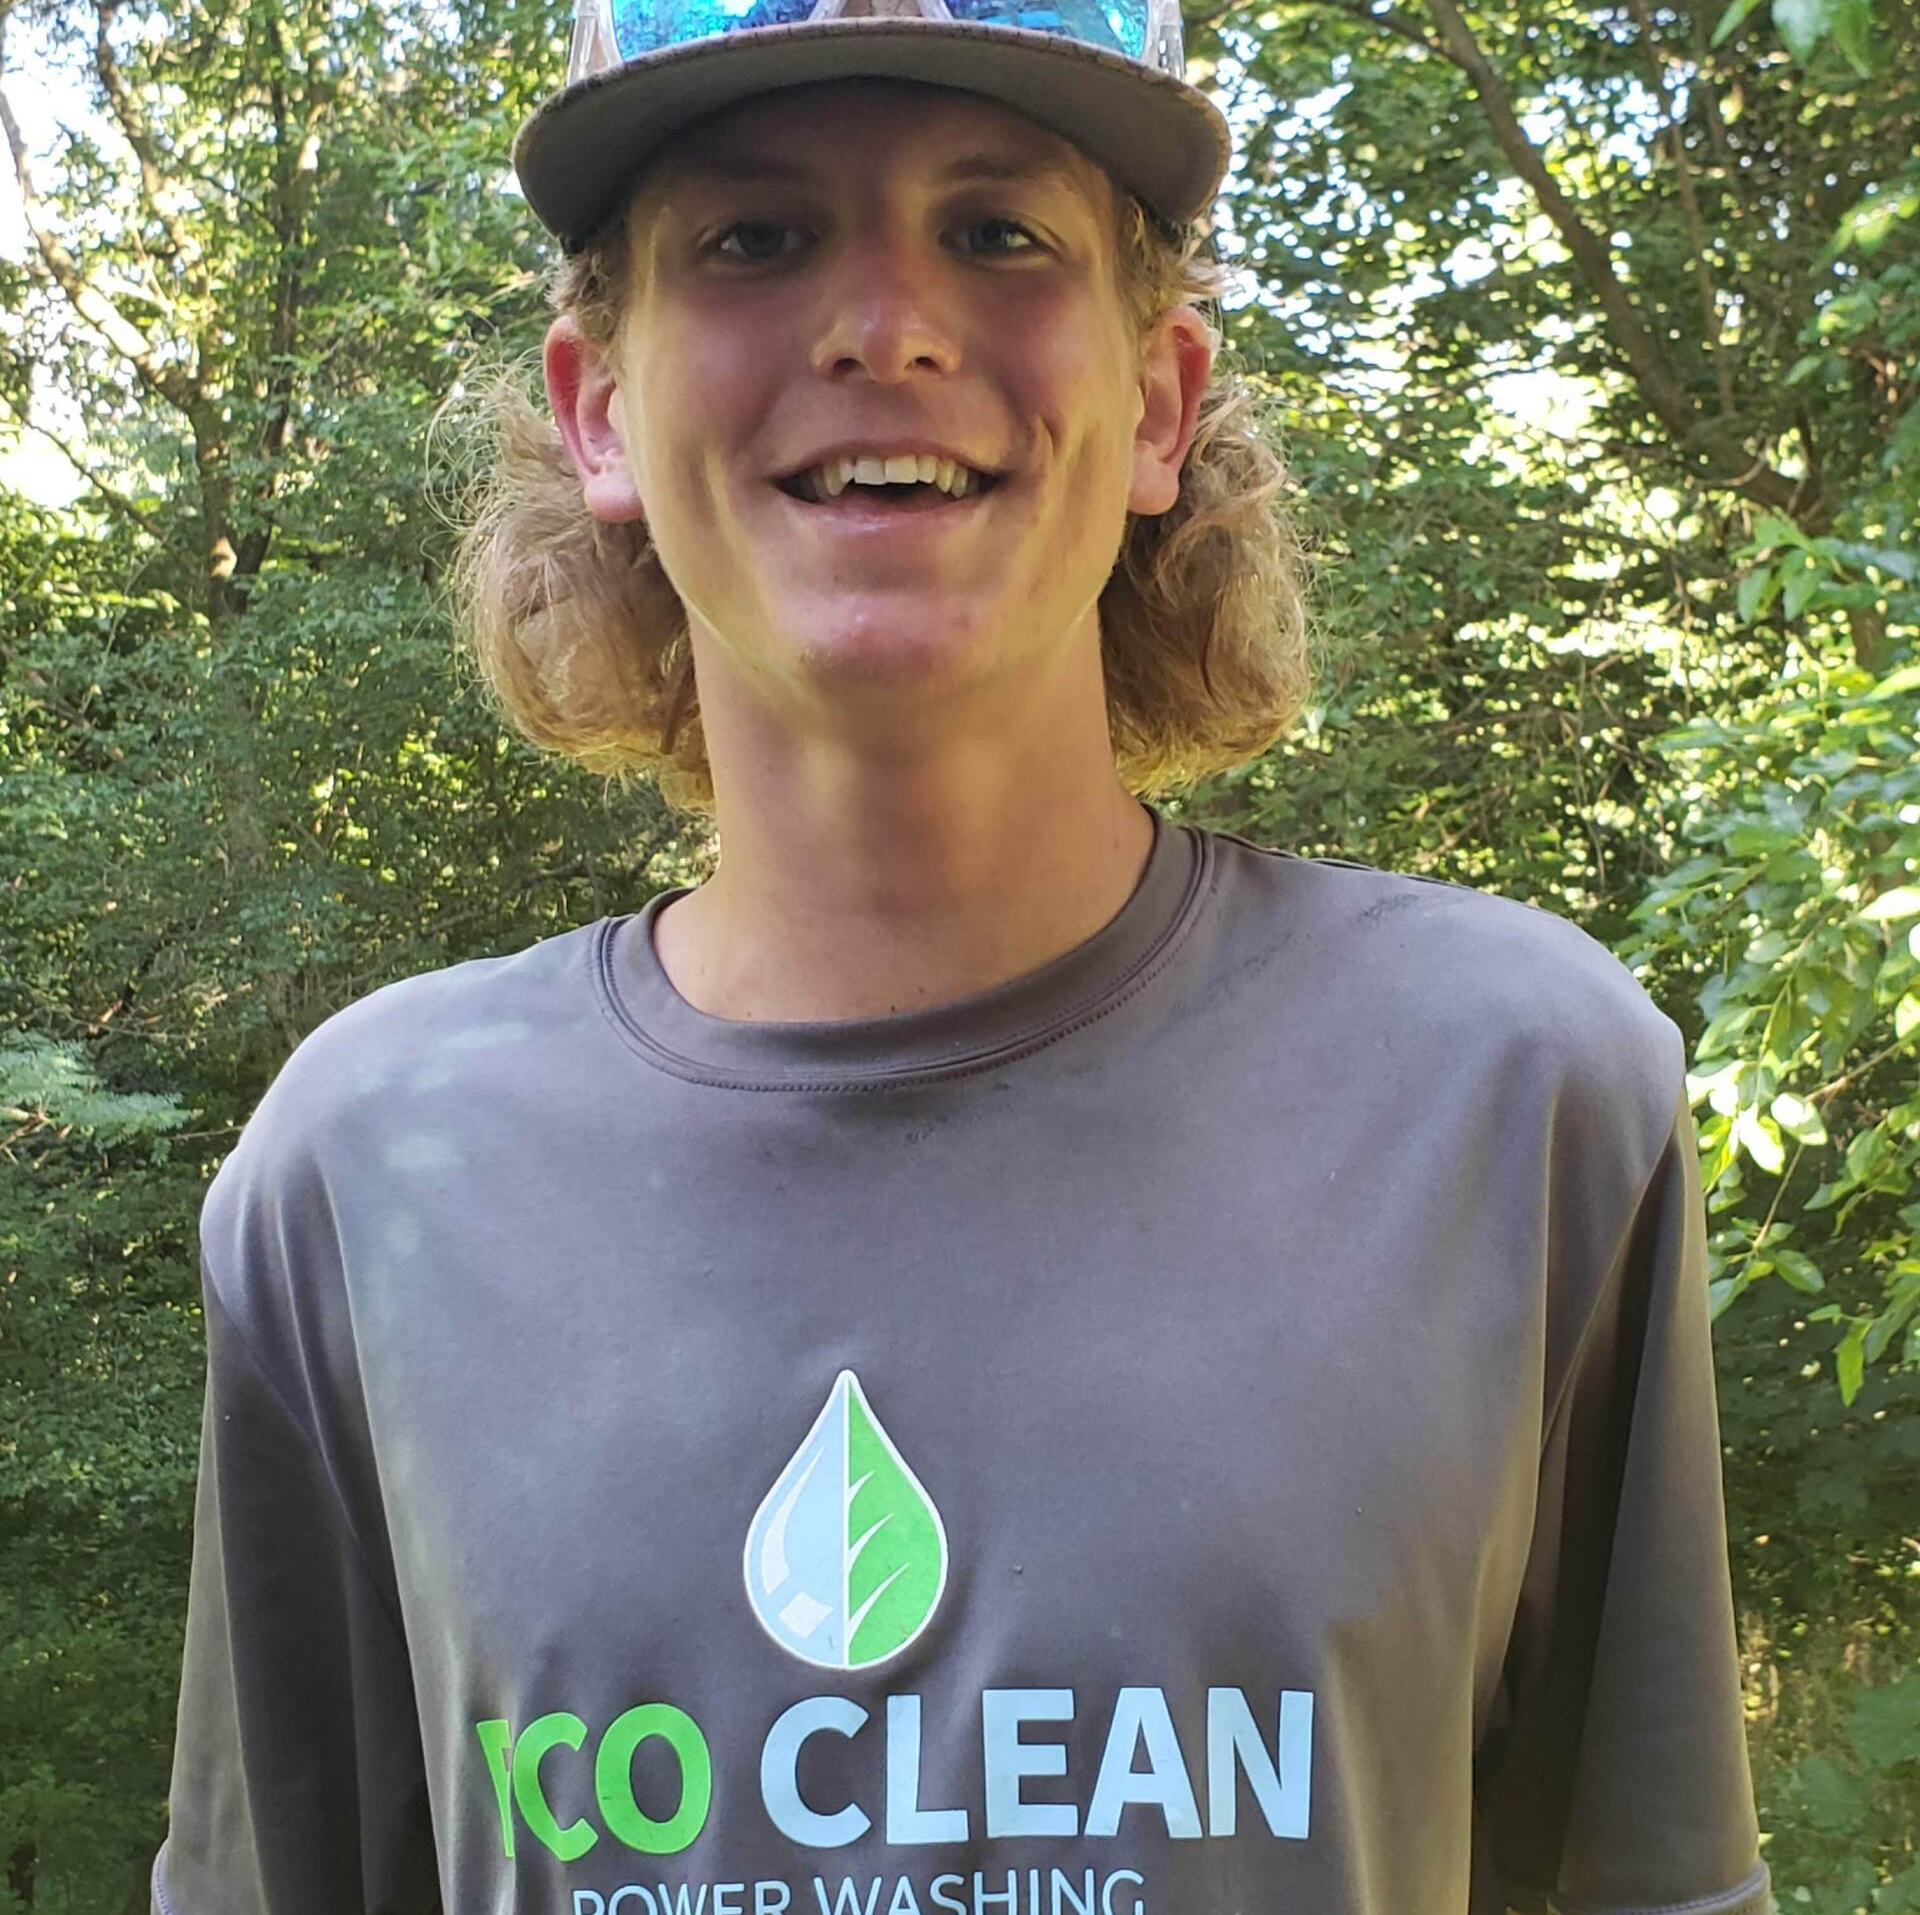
[894,646]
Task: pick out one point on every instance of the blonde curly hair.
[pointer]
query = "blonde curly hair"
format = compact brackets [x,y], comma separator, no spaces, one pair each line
[578,633]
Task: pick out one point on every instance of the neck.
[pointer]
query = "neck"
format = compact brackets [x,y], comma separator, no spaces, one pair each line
[860,880]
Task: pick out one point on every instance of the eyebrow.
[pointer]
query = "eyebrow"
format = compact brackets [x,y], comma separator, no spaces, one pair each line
[753,169]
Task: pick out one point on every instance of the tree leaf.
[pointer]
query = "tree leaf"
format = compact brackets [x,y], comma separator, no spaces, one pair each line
[1880,558]
[1800,1271]
[1852,22]
[1893,907]
[1886,1326]
[1832,1793]
[1865,1152]
[1751,838]
[1798,1119]
[1731,19]
[1901,1896]
[1803,24]
[1884,1723]
[1761,1140]
[1849,1362]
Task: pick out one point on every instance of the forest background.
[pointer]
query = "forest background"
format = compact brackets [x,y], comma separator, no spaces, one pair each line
[1591,328]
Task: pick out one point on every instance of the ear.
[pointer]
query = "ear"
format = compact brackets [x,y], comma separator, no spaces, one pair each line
[1176,363]
[586,408]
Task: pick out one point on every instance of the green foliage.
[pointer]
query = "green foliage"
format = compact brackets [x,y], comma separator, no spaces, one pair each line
[1833,1796]
[101,1365]
[1805,823]
[1796,912]
[47,1084]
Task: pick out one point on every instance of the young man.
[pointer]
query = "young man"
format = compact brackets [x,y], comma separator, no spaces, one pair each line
[998,1355]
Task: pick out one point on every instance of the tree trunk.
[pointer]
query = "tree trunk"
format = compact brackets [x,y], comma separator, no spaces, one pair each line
[21,1866]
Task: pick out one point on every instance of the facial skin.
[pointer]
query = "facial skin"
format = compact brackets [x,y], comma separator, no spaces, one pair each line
[857,288]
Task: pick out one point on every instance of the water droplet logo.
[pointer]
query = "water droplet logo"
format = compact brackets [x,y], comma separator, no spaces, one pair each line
[846,1556]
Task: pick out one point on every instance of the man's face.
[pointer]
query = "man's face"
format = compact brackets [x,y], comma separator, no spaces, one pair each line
[865,268]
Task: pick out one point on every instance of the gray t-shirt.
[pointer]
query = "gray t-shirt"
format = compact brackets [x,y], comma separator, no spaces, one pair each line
[1222,1423]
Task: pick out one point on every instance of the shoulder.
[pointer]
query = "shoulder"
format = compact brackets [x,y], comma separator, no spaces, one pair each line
[432,1039]
[1465,982]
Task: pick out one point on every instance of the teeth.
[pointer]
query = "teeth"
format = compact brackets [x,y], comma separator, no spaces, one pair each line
[830,480]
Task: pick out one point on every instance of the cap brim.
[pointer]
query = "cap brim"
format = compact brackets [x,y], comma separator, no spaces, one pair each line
[579,151]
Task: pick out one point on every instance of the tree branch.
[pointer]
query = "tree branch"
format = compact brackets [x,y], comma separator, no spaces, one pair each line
[1394,21]
[1708,97]
[160,198]
[81,291]
[1664,391]
[110,495]
[1710,318]
[1827,1092]
[294,175]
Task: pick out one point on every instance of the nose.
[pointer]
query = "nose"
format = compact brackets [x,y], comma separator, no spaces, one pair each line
[884,311]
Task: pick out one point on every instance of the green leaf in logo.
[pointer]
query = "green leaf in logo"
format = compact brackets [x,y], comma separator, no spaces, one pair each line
[896,1554]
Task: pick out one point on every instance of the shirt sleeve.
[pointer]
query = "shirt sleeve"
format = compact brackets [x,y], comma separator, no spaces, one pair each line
[1618,1783]
[298,1782]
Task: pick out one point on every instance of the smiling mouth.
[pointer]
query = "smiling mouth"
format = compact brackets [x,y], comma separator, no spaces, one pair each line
[893,498]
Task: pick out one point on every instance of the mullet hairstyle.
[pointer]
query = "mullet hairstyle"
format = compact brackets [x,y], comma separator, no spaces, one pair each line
[582,639]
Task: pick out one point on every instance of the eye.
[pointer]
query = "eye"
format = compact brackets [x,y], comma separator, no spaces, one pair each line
[752,232]
[760,242]
[997,223]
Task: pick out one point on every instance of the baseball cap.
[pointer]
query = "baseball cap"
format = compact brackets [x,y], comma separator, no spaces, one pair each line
[1105,74]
